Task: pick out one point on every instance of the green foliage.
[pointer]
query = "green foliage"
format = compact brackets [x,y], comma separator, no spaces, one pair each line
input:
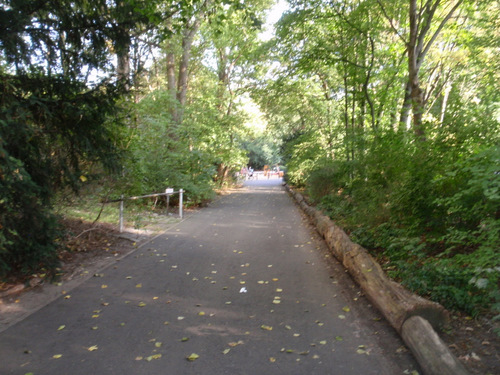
[442,281]
[28,230]
[436,223]
[261,151]
[54,127]
[163,154]
[49,127]
[300,153]
[427,205]
[470,196]
[328,181]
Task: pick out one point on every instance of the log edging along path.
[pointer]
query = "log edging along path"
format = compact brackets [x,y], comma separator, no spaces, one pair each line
[414,318]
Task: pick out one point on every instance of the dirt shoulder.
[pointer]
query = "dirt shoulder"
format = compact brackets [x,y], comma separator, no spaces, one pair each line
[91,248]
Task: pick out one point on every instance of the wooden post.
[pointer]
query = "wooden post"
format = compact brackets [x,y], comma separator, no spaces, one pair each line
[121,214]
[180,202]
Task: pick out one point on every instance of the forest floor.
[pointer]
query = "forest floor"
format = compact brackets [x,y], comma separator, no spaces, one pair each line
[473,341]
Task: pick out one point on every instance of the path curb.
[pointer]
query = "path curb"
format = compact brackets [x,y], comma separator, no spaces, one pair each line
[412,316]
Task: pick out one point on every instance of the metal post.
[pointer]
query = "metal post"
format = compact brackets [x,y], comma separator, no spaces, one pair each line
[180,202]
[168,199]
[121,214]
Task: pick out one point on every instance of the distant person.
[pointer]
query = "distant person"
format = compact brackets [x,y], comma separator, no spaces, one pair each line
[244,172]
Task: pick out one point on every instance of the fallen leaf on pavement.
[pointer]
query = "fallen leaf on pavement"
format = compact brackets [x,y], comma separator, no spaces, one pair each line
[192,357]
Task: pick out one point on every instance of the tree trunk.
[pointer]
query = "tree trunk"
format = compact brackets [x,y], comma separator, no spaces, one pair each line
[420,25]
[182,82]
[405,109]
[123,67]
[444,103]
[413,70]
[178,85]
[123,52]
[172,85]
[346,117]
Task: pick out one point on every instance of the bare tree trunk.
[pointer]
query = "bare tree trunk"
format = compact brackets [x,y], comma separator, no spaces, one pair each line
[418,46]
[346,117]
[182,82]
[172,85]
[413,71]
[178,83]
[444,103]
[123,67]
[171,76]
[406,108]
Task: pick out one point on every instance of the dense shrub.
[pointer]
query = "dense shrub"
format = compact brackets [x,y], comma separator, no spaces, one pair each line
[431,213]
[51,129]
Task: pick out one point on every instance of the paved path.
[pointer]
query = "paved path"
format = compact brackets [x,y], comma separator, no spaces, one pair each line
[244,284]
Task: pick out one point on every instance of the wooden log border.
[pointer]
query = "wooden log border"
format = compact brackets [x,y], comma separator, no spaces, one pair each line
[414,318]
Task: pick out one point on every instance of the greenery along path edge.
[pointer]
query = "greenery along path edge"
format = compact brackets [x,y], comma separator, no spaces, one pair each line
[413,317]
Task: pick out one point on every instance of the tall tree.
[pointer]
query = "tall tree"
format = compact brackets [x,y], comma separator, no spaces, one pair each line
[52,119]
[426,22]
[178,76]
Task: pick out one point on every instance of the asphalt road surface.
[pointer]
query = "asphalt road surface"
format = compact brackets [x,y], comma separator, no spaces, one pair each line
[244,286]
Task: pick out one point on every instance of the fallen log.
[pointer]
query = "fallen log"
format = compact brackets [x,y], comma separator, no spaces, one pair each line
[396,303]
[429,350]
[412,316]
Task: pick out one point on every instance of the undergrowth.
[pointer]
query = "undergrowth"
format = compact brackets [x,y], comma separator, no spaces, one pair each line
[433,222]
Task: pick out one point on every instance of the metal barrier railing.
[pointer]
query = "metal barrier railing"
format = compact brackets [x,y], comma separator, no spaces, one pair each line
[168,192]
